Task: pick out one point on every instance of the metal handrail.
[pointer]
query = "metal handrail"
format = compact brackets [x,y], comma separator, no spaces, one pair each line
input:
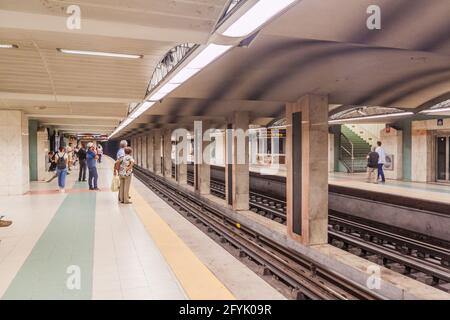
[350,153]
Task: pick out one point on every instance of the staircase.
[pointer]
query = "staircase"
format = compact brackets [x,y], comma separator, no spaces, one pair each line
[353,146]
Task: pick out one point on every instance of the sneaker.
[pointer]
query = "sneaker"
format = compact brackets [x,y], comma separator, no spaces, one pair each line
[5,223]
[96,189]
[62,190]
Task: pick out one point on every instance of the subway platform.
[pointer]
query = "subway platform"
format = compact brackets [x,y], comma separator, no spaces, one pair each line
[85,245]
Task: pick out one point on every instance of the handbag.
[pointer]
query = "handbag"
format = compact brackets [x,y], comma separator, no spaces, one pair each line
[115,184]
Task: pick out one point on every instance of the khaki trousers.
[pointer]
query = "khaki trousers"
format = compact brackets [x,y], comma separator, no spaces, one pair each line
[371,175]
[124,190]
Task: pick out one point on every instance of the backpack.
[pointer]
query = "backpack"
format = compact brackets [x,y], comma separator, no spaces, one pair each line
[61,163]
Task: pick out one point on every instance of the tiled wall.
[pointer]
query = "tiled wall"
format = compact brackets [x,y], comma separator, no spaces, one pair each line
[14,145]
[393,145]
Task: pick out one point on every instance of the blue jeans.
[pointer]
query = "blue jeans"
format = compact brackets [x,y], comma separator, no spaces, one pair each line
[381,172]
[61,177]
[93,177]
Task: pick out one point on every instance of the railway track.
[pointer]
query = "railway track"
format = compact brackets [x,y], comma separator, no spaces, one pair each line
[295,275]
[417,256]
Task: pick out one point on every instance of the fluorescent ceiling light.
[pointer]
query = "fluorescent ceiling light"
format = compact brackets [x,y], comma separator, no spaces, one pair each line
[254,18]
[141,109]
[157,96]
[208,55]
[101,54]
[436,110]
[184,75]
[8,46]
[380,116]
[169,87]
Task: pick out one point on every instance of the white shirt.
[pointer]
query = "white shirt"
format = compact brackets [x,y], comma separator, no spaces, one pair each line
[382,155]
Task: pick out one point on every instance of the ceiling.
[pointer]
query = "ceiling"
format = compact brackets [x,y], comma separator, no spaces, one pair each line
[324,47]
[321,47]
[73,92]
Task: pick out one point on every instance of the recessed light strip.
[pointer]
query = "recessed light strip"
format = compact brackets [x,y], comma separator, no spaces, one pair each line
[256,16]
[436,110]
[380,116]
[8,46]
[101,54]
[204,58]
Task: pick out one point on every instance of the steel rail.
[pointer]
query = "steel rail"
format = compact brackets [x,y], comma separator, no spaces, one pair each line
[310,279]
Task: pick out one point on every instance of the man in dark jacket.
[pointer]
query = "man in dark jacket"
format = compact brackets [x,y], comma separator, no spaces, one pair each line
[372,165]
[81,154]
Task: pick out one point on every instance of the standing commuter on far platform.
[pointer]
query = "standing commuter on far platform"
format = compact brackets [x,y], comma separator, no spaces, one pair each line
[381,162]
[92,157]
[124,167]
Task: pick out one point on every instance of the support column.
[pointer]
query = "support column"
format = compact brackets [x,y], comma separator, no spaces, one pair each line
[32,147]
[181,156]
[167,153]
[202,159]
[14,145]
[138,151]
[144,152]
[237,179]
[307,174]
[42,150]
[150,157]
[157,151]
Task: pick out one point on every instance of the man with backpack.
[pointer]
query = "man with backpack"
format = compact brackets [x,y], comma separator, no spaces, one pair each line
[61,160]
[372,165]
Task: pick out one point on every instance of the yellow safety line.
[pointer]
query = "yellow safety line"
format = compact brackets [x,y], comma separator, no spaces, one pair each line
[197,280]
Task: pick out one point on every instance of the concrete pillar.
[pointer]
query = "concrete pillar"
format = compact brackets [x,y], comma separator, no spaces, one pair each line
[181,156]
[15,154]
[237,180]
[202,159]
[167,153]
[157,151]
[331,151]
[43,147]
[253,136]
[136,150]
[32,149]
[307,169]
[144,152]
[150,152]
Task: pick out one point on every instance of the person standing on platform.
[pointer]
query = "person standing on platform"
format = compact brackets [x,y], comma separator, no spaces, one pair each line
[82,158]
[121,151]
[124,167]
[91,158]
[99,152]
[372,165]
[62,162]
[381,162]
[69,151]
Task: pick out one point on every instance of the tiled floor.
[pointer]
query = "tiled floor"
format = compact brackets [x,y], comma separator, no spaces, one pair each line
[52,233]
[426,191]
